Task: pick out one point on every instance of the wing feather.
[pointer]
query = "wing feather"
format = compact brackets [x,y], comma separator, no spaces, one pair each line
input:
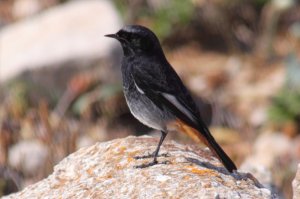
[160,97]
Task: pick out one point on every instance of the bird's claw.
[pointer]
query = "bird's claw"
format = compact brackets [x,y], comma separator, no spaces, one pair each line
[142,166]
[151,155]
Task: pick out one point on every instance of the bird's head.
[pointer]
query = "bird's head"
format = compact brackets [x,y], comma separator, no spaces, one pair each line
[136,40]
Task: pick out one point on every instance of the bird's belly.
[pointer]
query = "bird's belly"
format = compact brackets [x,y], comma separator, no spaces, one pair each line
[146,111]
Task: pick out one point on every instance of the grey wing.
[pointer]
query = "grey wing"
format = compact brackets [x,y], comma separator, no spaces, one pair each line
[167,91]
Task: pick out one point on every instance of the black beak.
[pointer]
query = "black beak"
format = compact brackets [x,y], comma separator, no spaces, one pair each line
[115,36]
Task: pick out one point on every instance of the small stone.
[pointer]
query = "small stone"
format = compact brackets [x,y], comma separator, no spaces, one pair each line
[84,141]
[268,147]
[28,156]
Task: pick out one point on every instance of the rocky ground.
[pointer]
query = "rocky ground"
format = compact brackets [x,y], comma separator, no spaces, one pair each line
[107,170]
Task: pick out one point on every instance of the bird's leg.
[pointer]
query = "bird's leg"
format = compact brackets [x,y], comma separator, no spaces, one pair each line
[155,154]
[162,137]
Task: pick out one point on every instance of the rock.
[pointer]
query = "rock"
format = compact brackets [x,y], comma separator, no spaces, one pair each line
[267,148]
[258,116]
[84,141]
[68,33]
[28,156]
[107,170]
[262,173]
[296,184]
[27,8]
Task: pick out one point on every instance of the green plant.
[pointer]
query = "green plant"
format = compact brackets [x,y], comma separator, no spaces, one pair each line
[286,104]
[176,12]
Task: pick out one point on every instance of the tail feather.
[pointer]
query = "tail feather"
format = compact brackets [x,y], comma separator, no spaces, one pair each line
[204,135]
[222,156]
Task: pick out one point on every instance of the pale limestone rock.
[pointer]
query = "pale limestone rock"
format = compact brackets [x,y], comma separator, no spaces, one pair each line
[267,147]
[28,156]
[70,32]
[26,8]
[296,184]
[107,170]
[84,141]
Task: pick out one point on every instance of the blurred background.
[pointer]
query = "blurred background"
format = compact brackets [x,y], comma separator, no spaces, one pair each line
[60,84]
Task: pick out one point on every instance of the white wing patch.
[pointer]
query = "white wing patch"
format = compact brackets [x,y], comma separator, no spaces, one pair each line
[175,102]
[138,88]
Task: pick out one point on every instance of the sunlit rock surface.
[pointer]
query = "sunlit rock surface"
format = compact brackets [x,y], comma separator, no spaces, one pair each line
[107,170]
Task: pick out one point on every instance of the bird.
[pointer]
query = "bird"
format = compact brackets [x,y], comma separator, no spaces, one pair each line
[155,94]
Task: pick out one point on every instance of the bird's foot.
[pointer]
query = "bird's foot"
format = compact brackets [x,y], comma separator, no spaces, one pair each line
[142,166]
[151,155]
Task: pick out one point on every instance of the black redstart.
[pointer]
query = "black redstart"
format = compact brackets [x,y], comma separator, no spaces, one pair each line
[155,94]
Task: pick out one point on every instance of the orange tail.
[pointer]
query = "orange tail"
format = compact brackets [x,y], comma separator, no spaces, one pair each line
[209,141]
